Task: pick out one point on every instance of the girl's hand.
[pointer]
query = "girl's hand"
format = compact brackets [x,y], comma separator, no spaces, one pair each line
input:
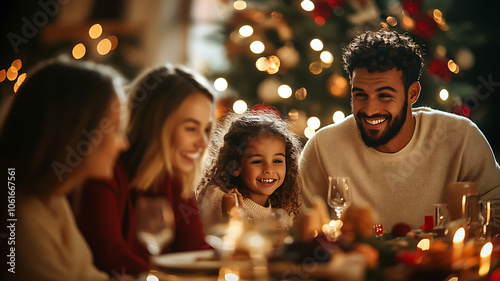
[229,202]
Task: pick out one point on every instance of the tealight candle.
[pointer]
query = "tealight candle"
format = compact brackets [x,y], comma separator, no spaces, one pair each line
[458,244]
[485,259]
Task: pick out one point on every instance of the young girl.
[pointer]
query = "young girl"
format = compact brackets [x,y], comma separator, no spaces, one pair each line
[254,156]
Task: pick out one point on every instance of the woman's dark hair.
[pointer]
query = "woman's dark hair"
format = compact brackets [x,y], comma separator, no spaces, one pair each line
[229,144]
[384,50]
[54,111]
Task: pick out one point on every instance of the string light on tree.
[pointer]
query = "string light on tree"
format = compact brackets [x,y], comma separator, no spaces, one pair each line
[307,5]
[240,106]
[326,57]
[262,64]
[104,46]
[284,91]
[316,44]
[95,31]
[246,31]
[257,47]
[240,5]
[220,84]
[309,132]
[79,51]
[444,95]
[338,116]
[313,122]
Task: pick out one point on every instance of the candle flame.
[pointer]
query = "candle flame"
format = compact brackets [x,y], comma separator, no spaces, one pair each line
[459,235]
[486,250]
[424,244]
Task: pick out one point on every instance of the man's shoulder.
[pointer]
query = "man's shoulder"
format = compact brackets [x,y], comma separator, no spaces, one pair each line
[341,128]
[428,115]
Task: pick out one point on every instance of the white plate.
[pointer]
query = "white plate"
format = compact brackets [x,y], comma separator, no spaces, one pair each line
[188,262]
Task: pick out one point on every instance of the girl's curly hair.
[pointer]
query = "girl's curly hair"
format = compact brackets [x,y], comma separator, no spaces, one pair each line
[229,143]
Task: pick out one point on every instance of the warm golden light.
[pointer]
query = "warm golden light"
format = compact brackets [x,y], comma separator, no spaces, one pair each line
[240,106]
[326,57]
[443,94]
[274,65]
[408,23]
[424,244]
[284,91]
[16,87]
[79,51]
[459,236]
[246,31]
[262,64]
[12,73]
[485,259]
[114,42]
[486,250]
[17,64]
[257,47]
[453,67]
[152,277]
[338,116]
[95,31]
[220,84]
[104,46]
[338,85]
[440,50]
[301,93]
[315,68]
[391,20]
[313,122]
[316,44]
[307,5]
[293,114]
[309,132]
[3,75]
[231,277]
[240,5]
[21,78]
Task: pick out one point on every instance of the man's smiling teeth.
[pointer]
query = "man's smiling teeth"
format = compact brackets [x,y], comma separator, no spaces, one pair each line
[266,180]
[374,122]
[191,155]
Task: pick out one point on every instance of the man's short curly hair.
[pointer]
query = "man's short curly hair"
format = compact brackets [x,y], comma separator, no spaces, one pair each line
[383,50]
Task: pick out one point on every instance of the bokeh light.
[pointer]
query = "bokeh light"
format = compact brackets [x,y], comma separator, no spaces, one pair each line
[443,94]
[453,67]
[79,51]
[408,23]
[152,277]
[3,75]
[391,20]
[95,31]
[338,116]
[316,44]
[262,64]
[301,93]
[246,31]
[307,5]
[338,86]
[315,67]
[12,73]
[240,106]
[424,244]
[284,91]
[257,47]
[240,5]
[220,84]
[293,114]
[114,41]
[231,277]
[17,64]
[309,132]
[104,46]
[313,122]
[274,65]
[326,57]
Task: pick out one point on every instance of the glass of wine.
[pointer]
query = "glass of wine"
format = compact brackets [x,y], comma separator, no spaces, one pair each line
[155,223]
[339,194]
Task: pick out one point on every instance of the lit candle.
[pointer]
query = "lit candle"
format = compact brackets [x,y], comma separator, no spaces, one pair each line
[485,259]
[332,230]
[458,244]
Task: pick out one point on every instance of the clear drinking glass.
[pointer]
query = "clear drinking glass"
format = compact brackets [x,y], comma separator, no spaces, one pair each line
[441,215]
[339,194]
[155,223]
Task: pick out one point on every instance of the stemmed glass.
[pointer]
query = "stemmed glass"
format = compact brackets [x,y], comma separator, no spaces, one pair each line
[155,223]
[339,194]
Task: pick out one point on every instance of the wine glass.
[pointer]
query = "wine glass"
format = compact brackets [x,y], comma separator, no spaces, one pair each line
[339,194]
[155,223]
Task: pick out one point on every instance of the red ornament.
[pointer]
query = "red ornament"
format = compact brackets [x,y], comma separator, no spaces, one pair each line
[412,6]
[462,110]
[495,275]
[425,27]
[438,67]
[400,229]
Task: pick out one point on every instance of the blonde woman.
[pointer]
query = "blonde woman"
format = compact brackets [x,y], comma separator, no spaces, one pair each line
[63,127]
[168,131]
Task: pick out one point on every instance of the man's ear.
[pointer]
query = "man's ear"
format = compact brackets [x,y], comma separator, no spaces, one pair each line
[414,92]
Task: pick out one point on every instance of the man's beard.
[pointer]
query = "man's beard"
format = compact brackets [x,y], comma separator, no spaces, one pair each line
[392,130]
